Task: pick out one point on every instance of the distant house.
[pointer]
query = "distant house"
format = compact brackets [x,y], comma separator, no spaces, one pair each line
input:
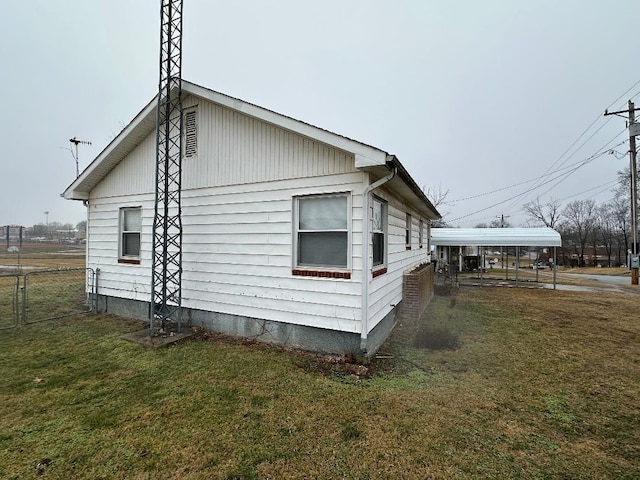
[274,213]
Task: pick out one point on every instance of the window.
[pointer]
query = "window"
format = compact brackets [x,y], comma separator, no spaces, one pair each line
[407,231]
[420,233]
[190,133]
[379,232]
[322,232]
[130,227]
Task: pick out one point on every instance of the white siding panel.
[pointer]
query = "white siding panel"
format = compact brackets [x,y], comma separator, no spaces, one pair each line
[386,290]
[116,279]
[237,254]
[136,173]
[238,258]
[234,148]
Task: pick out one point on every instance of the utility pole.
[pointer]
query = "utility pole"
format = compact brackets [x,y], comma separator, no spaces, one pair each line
[634,129]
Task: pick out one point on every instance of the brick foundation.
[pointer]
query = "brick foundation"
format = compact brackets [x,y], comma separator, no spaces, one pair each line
[417,291]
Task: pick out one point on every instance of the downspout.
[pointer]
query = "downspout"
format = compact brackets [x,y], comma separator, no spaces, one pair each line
[365,256]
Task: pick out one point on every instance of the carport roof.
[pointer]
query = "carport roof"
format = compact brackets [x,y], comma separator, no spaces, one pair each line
[495,237]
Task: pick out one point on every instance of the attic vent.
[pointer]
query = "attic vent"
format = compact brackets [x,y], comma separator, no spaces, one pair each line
[190,134]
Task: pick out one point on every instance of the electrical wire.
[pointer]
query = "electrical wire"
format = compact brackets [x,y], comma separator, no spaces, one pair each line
[508,187]
[565,175]
[550,171]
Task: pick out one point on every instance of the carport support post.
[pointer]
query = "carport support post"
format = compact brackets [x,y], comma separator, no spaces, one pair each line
[555,267]
[507,264]
[481,266]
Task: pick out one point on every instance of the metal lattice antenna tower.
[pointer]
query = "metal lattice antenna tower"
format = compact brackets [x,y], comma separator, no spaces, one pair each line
[166,311]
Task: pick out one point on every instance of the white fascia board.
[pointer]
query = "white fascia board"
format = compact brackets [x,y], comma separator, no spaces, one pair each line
[365,155]
[70,194]
[496,237]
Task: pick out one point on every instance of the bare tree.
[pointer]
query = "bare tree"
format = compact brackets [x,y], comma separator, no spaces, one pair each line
[437,196]
[549,214]
[579,218]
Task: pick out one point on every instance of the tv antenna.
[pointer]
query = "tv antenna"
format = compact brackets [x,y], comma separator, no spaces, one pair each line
[76,142]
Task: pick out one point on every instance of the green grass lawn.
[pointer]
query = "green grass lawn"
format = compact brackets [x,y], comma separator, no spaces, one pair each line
[541,384]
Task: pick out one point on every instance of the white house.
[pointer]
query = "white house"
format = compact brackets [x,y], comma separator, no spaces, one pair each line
[274,213]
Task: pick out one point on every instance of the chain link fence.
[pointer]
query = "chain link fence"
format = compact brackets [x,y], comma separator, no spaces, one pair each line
[46,295]
[9,300]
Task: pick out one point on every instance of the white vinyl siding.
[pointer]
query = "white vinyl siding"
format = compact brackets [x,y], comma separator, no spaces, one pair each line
[237,214]
[134,174]
[241,149]
[237,254]
[386,290]
[117,279]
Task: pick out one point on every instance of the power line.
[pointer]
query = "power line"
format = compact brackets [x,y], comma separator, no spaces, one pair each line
[583,163]
[605,185]
[586,130]
[508,187]
[604,149]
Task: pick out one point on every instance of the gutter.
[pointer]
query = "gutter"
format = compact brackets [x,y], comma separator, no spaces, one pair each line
[365,254]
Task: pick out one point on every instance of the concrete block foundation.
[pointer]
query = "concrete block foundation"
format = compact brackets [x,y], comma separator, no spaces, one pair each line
[295,336]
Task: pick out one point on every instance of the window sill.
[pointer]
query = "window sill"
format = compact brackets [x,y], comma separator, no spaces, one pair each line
[380,271]
[130,261]
[321,273]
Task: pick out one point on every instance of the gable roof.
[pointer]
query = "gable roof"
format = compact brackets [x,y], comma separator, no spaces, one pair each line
[496,237]
[366,156]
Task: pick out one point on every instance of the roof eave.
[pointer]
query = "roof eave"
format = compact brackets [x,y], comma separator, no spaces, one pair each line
[90,176]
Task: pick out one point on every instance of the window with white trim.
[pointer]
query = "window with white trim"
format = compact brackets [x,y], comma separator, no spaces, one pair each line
[379,232]
[130,230]
[420,233]
[407,231]
[190,133]
[322,233]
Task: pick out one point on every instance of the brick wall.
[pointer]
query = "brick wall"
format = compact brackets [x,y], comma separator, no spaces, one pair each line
[417,291]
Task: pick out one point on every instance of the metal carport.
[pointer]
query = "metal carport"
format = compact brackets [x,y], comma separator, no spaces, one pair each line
[498,237]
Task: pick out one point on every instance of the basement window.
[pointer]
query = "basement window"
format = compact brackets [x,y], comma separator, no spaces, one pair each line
[130,231]
[322,234]
[190,133]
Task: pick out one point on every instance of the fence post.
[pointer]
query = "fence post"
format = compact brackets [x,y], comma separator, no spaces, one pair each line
[24,300]
[16,300]
[95,290]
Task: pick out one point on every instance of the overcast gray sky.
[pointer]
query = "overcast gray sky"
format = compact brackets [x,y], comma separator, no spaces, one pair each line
[474,96]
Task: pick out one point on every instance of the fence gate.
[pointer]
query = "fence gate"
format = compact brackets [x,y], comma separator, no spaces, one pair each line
[9,301]
[50,294]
